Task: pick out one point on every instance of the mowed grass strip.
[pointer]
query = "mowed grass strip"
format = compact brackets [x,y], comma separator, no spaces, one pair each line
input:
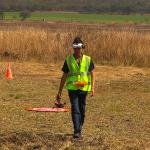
[116,117]
[81,17]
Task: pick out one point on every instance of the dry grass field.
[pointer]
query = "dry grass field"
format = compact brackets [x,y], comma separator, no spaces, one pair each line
[44,43]
[117,117]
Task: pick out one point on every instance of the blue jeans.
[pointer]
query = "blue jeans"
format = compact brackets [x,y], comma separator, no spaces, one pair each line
[78,103]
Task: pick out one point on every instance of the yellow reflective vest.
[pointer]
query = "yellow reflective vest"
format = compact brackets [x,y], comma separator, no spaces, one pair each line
[78,77]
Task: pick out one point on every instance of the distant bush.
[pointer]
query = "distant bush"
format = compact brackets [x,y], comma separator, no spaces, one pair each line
[1,15]
[25,14]
[95,6]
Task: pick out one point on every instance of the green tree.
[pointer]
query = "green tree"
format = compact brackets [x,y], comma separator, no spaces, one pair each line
[25,14]
[95,6]
[1,15]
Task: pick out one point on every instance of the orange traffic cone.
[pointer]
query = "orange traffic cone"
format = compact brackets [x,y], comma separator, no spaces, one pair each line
[9,73]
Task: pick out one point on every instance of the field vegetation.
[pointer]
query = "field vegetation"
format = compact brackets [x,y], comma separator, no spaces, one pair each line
[79,17]
[117,117]
[45,44]
[86,6]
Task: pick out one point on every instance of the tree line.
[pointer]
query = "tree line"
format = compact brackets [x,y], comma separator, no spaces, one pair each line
[85,6]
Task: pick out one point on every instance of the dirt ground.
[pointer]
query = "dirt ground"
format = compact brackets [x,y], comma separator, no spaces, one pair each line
[51,25]
[117,117]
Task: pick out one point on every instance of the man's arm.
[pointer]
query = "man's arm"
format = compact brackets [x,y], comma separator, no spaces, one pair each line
[92,82]
[62,82]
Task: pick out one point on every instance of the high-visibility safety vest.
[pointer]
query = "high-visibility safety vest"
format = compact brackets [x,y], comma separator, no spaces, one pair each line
[78,74]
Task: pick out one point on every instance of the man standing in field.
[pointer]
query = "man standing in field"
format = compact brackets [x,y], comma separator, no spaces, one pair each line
[78,73]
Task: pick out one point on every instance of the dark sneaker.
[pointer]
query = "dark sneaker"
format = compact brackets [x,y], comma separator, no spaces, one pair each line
[76,135]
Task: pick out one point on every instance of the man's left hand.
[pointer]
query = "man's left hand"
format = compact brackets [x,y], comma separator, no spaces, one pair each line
[92,92]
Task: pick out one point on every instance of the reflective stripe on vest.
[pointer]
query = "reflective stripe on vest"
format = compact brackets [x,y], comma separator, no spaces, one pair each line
[78,73]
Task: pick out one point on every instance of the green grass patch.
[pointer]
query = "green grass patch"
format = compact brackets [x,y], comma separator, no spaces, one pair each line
[78,17]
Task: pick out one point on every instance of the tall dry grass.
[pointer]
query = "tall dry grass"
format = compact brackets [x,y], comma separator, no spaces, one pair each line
[106,47]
